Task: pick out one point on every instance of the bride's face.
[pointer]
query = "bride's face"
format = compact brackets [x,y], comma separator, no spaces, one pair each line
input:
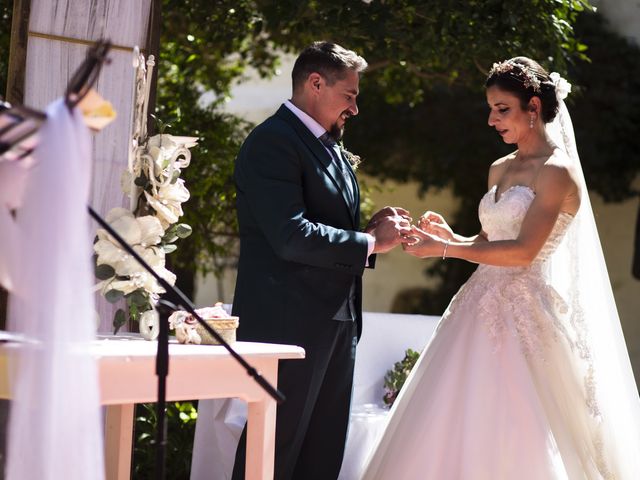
[507,116]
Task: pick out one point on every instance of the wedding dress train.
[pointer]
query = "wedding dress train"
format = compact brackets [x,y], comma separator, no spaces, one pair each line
[498,393]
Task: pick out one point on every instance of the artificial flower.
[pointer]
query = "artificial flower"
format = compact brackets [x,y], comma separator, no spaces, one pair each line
[563,88]
[167,202]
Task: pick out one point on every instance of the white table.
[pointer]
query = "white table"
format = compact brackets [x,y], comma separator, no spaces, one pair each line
[127,376]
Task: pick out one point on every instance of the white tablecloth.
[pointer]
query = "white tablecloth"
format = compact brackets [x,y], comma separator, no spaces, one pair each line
[385,338]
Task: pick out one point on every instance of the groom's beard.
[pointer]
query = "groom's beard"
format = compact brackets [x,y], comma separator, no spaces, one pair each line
[336,132]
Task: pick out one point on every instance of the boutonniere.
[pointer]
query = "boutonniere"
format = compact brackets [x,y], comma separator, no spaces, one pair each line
[353,159]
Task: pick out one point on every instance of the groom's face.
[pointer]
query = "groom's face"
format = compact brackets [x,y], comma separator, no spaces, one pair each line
[337,102]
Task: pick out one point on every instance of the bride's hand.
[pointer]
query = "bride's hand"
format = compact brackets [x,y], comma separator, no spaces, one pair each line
[422,244]
[435,224]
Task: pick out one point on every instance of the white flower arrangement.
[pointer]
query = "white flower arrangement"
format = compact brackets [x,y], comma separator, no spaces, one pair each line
[157,192]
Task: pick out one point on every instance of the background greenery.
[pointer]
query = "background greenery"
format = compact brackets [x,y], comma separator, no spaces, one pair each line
[423,113]
[422,107]
[181,424]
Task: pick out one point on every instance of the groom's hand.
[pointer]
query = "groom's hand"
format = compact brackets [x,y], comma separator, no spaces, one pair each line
[390,231]
[387,212]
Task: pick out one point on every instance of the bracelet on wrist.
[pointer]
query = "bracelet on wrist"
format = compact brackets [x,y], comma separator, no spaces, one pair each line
[444,252]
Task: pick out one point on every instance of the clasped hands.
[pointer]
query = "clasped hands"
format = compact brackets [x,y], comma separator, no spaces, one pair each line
[392,226]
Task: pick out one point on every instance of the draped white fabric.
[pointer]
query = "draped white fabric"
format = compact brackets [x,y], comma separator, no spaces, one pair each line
[579,271]
[385,338]
[220,423]
[55,429]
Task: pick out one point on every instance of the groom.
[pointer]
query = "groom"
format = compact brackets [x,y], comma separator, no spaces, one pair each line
[302,256]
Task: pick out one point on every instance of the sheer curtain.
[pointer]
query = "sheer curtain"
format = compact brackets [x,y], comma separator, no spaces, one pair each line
[55,428]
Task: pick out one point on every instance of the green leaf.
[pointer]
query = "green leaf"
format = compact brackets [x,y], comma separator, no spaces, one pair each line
[113,295]
[169,237]
[170,248]
[104,271]
[394,379]
[183,230]
[134,313]
[138,298]
[119,319]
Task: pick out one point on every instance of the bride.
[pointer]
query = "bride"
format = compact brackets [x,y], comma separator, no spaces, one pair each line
[527,376]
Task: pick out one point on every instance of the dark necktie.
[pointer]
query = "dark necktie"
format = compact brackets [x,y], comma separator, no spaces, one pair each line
[347,311]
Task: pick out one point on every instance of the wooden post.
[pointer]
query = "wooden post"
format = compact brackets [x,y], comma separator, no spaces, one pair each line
[18,51]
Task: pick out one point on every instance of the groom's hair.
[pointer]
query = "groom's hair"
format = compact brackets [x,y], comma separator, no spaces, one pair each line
[329,60]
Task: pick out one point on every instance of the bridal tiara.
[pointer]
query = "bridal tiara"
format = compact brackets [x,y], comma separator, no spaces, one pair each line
[561,86]
[530,78]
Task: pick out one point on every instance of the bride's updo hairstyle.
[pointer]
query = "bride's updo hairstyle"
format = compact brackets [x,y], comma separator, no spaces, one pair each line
[526,79]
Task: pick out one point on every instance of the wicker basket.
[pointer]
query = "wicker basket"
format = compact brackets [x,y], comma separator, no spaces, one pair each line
[225,327]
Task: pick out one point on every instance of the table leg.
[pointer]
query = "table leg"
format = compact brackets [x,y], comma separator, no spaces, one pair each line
[261,432]
[118,441]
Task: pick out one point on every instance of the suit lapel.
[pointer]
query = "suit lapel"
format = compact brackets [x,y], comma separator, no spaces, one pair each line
[321,155]
[356,190]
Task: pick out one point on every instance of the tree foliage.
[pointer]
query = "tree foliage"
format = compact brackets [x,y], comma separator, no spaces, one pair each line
[444,141]
[422,108]
[415,49]
[606,110]
[205,47]
[412,45]
[423,113]
[421,94]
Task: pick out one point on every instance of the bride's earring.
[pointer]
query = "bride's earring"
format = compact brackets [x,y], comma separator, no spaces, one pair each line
[531,121]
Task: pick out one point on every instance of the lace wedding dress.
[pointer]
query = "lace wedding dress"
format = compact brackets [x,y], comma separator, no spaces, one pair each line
[498,393]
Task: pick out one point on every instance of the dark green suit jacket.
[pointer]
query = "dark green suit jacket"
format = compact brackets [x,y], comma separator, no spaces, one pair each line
[300,244]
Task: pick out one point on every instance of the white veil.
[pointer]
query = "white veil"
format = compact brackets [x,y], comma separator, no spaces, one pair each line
[578,270]
[55,425]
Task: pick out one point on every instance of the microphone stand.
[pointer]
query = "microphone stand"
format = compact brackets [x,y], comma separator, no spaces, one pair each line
[172,300]
[164,308]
